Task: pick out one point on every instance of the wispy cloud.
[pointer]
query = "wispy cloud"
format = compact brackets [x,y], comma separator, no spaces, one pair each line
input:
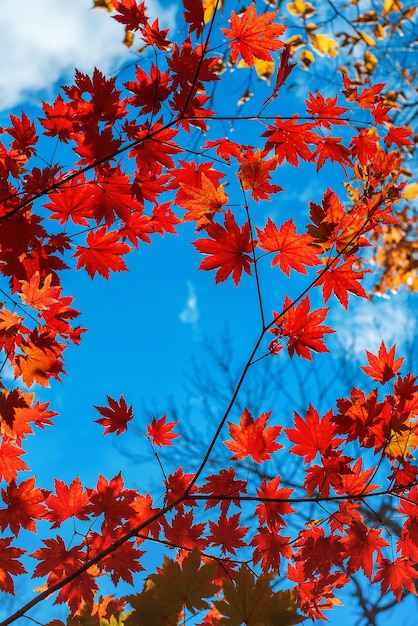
[190,313]
[368,322]
[42,42]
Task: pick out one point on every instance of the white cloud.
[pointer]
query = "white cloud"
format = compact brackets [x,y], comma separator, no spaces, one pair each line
[368,322]
[190,313]
[42,42]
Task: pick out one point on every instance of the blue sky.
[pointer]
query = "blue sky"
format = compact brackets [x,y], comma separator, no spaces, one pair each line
[146,325]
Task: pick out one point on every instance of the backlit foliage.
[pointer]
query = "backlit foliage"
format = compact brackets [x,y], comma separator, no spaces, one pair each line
[150,158]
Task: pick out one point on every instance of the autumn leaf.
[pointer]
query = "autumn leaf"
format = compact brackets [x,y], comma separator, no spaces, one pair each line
[39,297]
[160,431]
[361,543]
[102,254]
[116,416]
[396,575]
[302,328]
[229,251]
[254,175]
[203,201]
[384,366]
[9,564]
[251,601]
[24,505]
[253,438]
[227,533]
[341,279]
[294,251]
[254,37]
[69,501]
[313,434]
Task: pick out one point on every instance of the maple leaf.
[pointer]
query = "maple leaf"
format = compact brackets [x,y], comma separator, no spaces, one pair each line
[120,563]
[102,254]
[40,298]
[116,416]
[396,575]
[9,564]
[194,15]
[384,366]
[269,548]
[253,438]
[176,485]
[203,202]
[303,328]
[294,251]
[24,505]
[153,36]
[364,145]
[254,37]
[223,484]
[290,139]
[112,500]
[319,552]
[227,533]
[399,136]
[68,502]
[254,175]
[276,503]
[41,359]
[331,148]
[130,13]
[229,251]
[342,279]
[160,431]
[251,601]
[312,434]
[326,110]
[361,543]
[10,463]
[151,89]
[183,532]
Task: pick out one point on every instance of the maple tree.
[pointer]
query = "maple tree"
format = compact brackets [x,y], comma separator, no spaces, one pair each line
[135,176]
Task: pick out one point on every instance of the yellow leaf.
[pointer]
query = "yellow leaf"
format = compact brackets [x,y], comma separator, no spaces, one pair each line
[107,5]
[306,57]
[401,444]
[379,31]
[370,61]
[209,7]
[297,7]
[411,191]
[323,44]
[264,69]
[391,5]
[367,39]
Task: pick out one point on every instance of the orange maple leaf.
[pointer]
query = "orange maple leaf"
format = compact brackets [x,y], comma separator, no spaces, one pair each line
[252,438]
[39,298]
[254,37]
[203,202]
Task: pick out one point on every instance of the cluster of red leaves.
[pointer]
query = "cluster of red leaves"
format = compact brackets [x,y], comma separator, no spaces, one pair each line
[148,119]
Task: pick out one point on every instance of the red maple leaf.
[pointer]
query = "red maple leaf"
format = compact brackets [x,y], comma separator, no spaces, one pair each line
[302,328]
[396,575]
[24,505]
[9,564]
[194,15]
[122,562]
[151,89]
[269,547]
[183,533]
[227,533]
[153,36]
[130,13]
[10,463]
[361,543]
[275,505]
[289,139]
[223,484]
[102,254]
[254,37]
[342,279]
[68,502]
[112,500]
[254,174]
[160,431]
[253,438]
[399,136]
[229,250]
[294,251]
[331,148]
[116,416]
[326,110]
[364,145]
[384,366]
[313,434]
